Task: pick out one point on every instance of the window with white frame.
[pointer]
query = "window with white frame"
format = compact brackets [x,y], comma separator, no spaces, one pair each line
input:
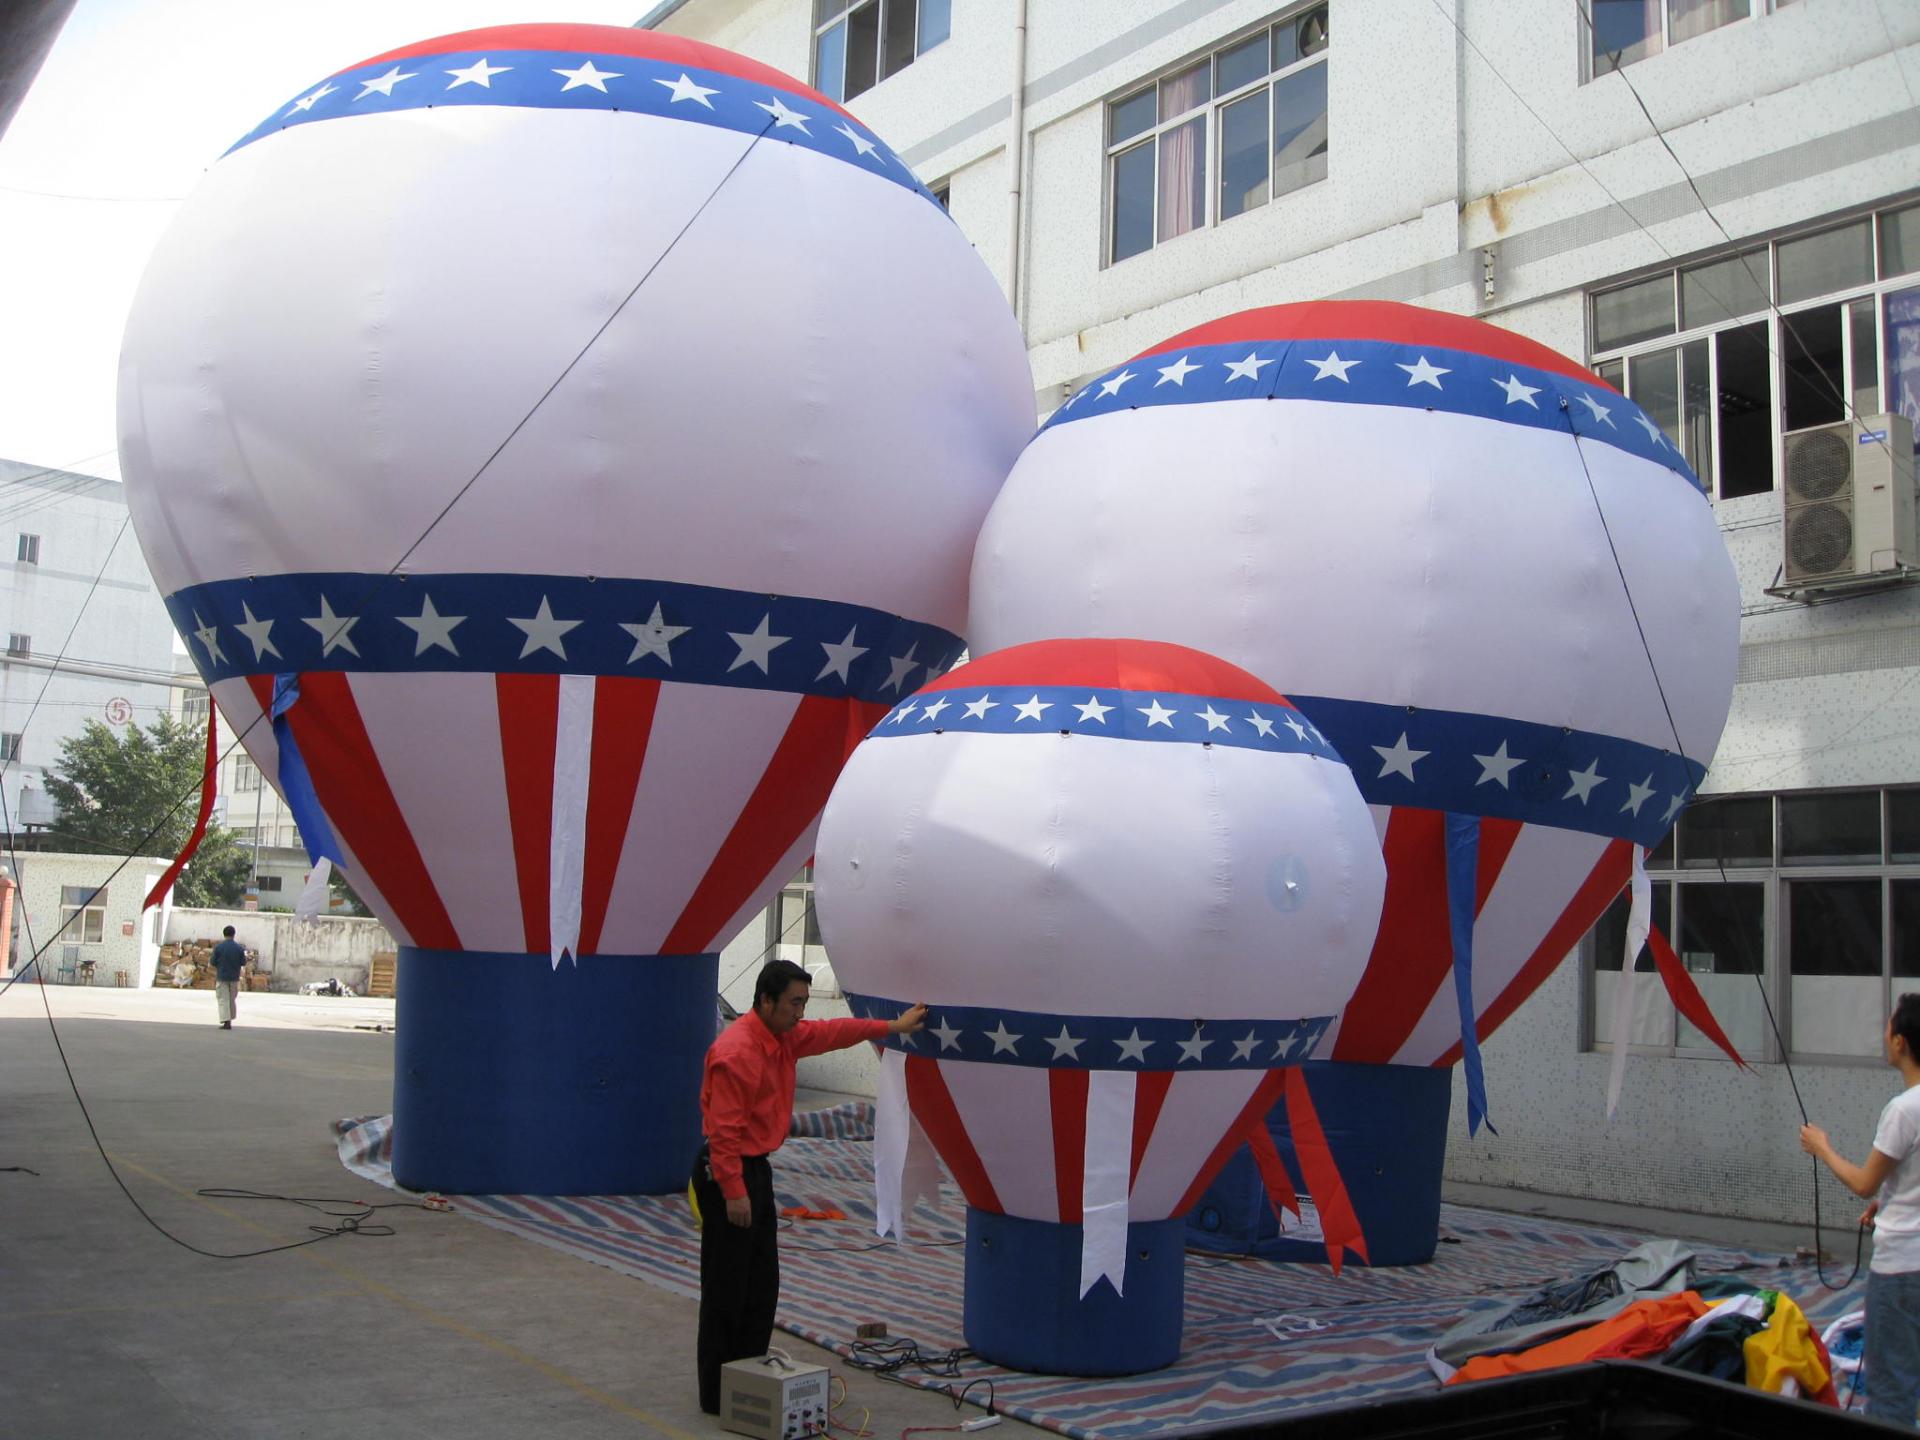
[1620,32]
[83,914]
[1219,136]
[794,931]
[1807,902]
[9,746]
[1730,353]
[194,709]
[859,43]
[246,775]
[29,549]
[19,644]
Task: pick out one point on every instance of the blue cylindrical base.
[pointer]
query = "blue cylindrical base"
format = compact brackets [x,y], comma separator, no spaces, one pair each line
[1023,1305]
[513,1077]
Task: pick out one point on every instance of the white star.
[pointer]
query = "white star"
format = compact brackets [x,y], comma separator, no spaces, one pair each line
[431,628]
[1601,413]
[1112,387]
[1673,807]
[308,102]
[1157,714]
[1065,1046]
[543,632]
[685,89]
[1654,433]
[1332,365]
[1243,1049]
[1093,709]
[384,83]
[783,117]
[653,638]
[1517,392]
[1193,1048]
[210,637]
[901,714]
[258,631]
[334,629]
[1497,767]
[1261,724]
[1283,1049]
[978,709]
[479,73]
[757,645]
[1421,373]
[861,144]
[1584,781]
[1292,722]
[587,75]
[1215,720]
[1638,795]
[1247,369]
[1175,374]
[932,712]
[948,1036]
[902,666]
[1003,1039]
[840,657]
[1031,709]
[1133,1048]
[1397,759]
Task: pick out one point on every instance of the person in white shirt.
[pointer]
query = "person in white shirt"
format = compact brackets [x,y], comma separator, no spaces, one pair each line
[1890,1179]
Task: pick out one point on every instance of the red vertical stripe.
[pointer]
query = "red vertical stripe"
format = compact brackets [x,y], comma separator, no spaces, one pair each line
[1338,1224]
[932,1105]
[623,709]
[1497,839]
[1589,902]
[1149,1094]
[353,790]
[793,791]
[1254,1112]
[529,725]
[1273,1171]
[1067,1096]
[1413,953]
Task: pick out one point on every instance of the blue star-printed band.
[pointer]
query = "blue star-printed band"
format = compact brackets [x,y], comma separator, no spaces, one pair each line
[1118,714]
[556,625]
[1485,765]
[1096,1042]
[1377,372]
[579,80]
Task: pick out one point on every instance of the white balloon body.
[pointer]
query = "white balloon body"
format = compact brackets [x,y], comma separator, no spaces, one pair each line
[1485,575]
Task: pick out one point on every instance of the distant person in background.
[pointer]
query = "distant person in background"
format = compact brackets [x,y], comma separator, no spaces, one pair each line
[228,961]
[1890,1179]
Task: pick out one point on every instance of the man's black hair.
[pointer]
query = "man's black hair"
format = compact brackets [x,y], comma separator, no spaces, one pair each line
[775,977]
[228,932]
[1906,1021]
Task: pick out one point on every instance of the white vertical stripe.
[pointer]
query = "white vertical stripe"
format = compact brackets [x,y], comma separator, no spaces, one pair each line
[572,768]
[889,1144]
[1007,1112]
[1103,1191]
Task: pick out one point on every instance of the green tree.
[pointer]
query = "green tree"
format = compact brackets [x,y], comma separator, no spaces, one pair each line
[138,794]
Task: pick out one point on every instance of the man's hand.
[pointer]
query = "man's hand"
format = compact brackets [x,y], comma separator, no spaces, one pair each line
[1866,1215]
[740,1211]
[908,1021]
[1814,1141]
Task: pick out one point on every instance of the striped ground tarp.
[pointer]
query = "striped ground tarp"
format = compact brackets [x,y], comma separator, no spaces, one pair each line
[1263,1341]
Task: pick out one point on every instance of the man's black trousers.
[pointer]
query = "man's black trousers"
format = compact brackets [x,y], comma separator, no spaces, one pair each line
[739,1274]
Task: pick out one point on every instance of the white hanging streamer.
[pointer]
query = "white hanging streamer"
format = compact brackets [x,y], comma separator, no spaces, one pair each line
[313,899]
[1108,1174]
[1639,924]
[890,1144]
[572,769]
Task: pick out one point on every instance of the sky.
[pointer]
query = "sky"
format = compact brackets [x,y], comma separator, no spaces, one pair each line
[136,100]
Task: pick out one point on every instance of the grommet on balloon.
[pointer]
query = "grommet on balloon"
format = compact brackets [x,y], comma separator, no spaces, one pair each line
[1134,885]
[552,621]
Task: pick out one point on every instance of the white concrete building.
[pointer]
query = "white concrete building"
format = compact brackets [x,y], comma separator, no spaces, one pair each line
[1742,256]
[82,913]
[61,532]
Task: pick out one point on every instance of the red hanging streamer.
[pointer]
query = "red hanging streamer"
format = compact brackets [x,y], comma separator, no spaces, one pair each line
[1273,1170]
[207,785]
[1686,996]
[1338,1224]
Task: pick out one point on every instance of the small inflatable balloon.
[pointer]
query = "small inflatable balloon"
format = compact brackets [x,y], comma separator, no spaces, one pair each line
[1134,885]
[1487,577]
[558,444]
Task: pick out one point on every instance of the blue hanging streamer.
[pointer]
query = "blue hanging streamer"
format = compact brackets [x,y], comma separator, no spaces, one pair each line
[1463,869]
[296,786]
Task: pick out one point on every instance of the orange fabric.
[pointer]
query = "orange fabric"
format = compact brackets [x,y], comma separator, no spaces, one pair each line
[1645,1327]
[746,1097]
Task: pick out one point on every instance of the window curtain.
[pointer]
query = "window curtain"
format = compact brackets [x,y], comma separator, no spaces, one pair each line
[1183,158]
[1697,17]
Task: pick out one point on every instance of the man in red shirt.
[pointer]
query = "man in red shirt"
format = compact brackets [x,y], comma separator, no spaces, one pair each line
[746,1107]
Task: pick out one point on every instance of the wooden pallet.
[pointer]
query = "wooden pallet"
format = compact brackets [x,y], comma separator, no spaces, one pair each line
[380,974]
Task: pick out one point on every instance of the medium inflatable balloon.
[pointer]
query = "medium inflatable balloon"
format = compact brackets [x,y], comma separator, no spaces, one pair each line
[558,445]
[1485,575]
[1133,884]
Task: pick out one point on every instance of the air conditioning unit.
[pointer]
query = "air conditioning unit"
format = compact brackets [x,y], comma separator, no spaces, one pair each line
[1850,500]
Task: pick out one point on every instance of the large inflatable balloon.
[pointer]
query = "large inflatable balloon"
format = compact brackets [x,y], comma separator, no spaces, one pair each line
[1133,884]
[1488,578]
[558,445]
